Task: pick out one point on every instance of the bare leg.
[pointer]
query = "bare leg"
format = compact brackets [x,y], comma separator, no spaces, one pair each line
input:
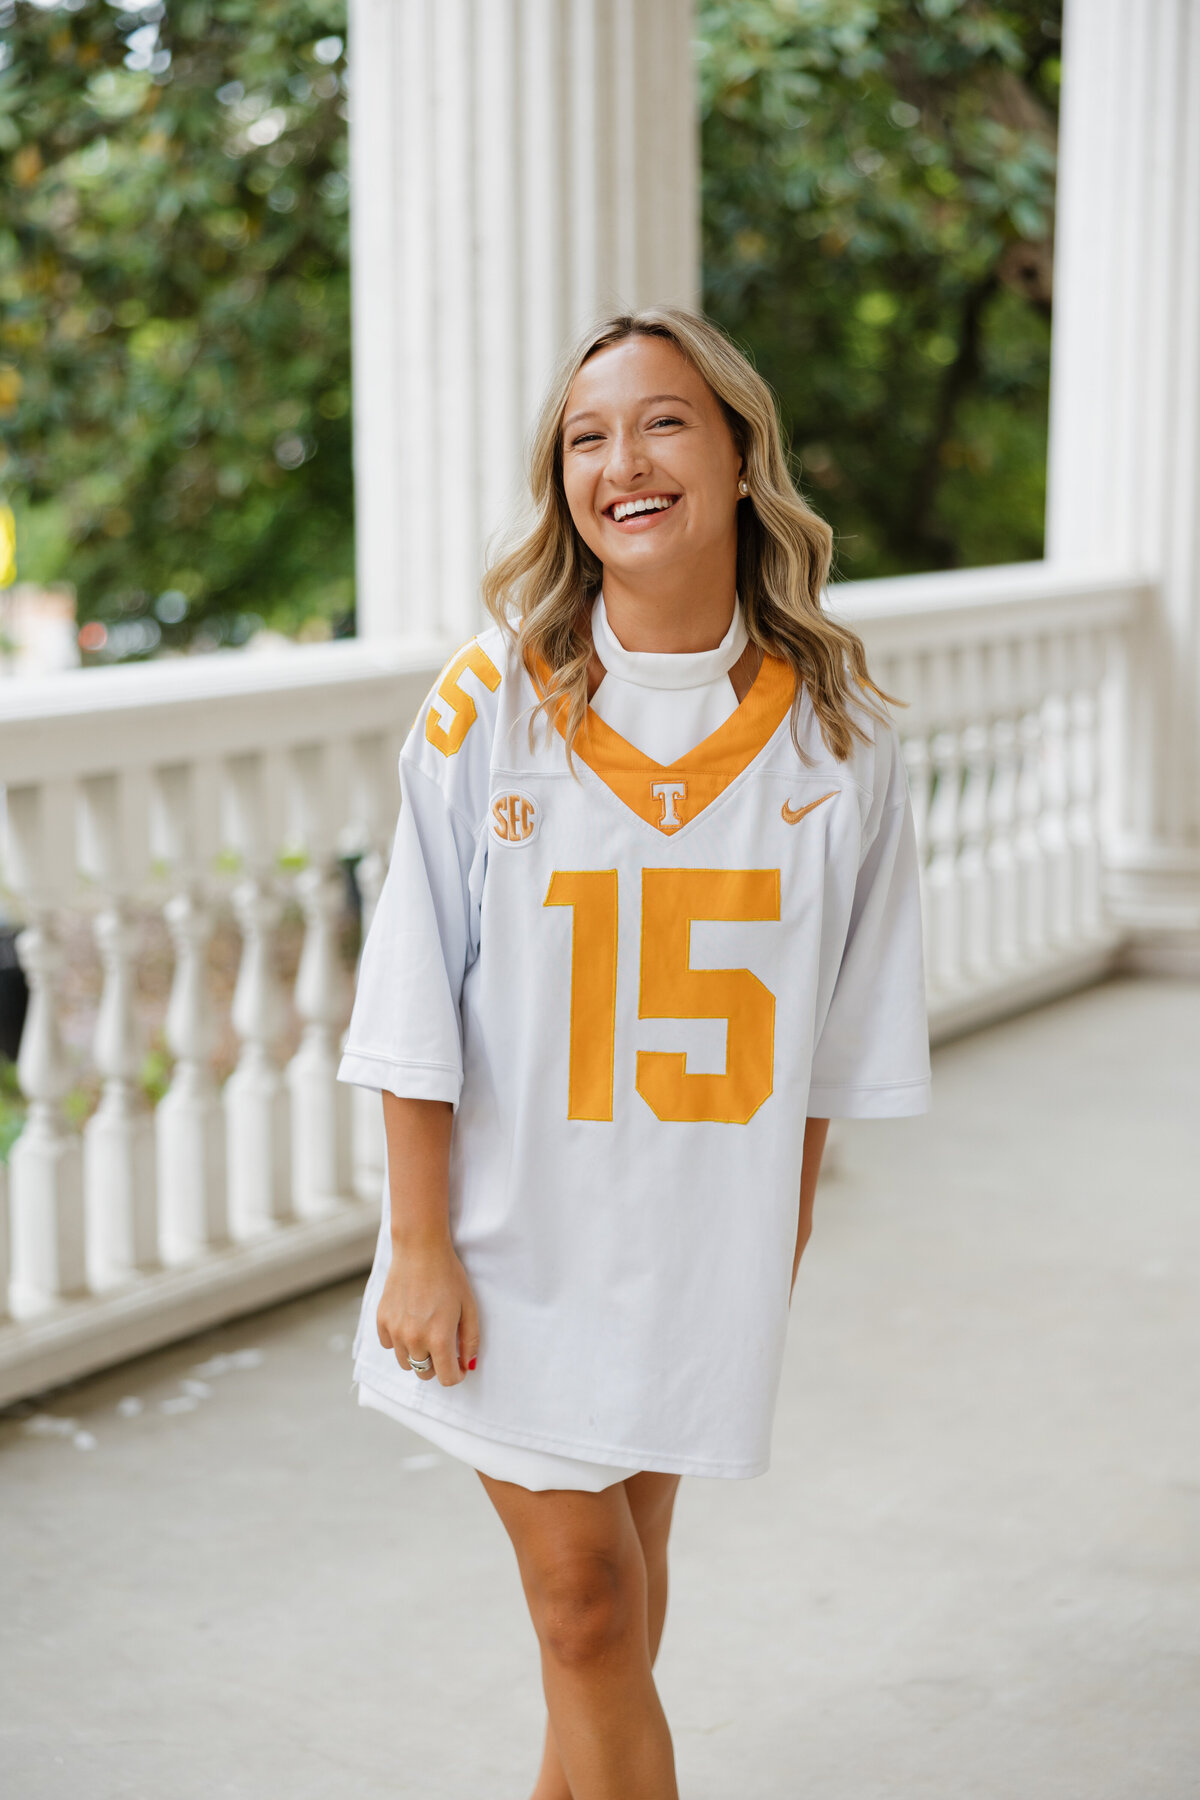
[652,1503]
[586,1579]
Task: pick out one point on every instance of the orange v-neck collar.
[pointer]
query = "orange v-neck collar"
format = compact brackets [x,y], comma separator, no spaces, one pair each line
[670,795]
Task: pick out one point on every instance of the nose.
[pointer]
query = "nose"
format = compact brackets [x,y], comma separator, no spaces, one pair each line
[628,457]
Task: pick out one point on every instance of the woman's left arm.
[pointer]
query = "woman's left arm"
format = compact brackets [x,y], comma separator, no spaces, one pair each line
[815,1132]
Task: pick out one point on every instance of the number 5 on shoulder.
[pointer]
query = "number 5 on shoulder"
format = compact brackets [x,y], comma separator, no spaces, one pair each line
[460,704]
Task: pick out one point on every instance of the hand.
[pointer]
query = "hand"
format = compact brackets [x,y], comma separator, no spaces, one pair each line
[427,1309]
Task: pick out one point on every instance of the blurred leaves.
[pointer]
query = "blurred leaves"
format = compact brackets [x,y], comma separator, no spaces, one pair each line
[878,216]
[175,338]
[175,429]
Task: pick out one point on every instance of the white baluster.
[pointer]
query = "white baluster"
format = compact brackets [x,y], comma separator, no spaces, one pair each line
[191,1123]
[5,1240]
[973,875]
[973,815]
[321,1158]
[190,1120]
[944,894]
[366,1112]
[256,1109]
[48,1249]
[1052,826]
[118,1140]
[943,706]
[1031,871]
[257,1129]
[919,769]
[908,684]
[1002,851]
[1083,822]
[46,1217]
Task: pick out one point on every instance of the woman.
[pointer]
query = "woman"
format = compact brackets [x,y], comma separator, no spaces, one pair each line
[612,1007]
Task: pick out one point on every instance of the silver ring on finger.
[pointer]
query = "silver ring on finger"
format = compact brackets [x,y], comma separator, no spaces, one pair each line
[420,1365]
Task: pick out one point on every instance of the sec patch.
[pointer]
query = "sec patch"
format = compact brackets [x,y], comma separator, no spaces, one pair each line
[514,818]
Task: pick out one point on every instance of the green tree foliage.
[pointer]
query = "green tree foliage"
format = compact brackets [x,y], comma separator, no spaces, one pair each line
[878,211]
[174,365]
[174,286]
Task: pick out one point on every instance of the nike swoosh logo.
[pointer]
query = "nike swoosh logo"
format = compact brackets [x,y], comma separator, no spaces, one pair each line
[794,818]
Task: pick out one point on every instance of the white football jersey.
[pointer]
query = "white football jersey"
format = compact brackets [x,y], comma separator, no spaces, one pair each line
[634,984]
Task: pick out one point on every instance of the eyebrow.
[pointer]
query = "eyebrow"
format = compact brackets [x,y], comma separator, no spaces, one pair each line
[650,400]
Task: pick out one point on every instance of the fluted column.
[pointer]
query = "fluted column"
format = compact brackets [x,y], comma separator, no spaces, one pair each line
[517,165]
[1124,465]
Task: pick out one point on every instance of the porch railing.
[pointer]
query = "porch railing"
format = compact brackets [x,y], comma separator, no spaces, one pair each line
[1017,679]
[216,788]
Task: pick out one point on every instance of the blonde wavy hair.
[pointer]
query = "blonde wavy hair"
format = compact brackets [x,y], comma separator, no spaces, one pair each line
[548,578]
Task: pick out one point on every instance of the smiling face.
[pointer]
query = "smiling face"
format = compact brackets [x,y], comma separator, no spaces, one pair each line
[650,468]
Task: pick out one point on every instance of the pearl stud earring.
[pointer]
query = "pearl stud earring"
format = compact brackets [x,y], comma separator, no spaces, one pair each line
[743,486]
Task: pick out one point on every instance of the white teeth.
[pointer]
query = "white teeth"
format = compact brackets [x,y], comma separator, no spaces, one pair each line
[629,508]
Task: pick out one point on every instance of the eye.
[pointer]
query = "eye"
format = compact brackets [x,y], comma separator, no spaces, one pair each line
[666,419]
[586,437]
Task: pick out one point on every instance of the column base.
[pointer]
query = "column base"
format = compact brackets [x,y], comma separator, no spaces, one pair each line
[1153,893]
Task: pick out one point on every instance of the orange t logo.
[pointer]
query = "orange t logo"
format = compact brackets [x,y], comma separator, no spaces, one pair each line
[669,795]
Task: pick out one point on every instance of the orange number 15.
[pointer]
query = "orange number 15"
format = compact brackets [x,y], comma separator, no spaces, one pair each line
[669,988]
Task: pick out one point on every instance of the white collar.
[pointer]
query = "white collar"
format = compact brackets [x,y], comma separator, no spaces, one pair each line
[667,669]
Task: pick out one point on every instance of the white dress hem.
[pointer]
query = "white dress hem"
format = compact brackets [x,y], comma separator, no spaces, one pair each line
[536,1470]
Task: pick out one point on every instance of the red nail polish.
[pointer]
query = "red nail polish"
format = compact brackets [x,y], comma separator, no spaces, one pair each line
[472,1362]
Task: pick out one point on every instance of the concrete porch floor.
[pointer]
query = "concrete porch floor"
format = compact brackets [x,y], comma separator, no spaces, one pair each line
[973,1572]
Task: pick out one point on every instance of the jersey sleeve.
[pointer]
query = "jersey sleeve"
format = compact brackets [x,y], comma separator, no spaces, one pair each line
[871,1059]
[405,1032]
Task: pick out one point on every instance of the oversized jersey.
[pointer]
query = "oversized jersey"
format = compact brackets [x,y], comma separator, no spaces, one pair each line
[634,984]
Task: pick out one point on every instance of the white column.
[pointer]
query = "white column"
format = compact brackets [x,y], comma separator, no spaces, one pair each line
[1124,465]
[517,167]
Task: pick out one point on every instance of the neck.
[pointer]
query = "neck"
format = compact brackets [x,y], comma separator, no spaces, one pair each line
[690,609]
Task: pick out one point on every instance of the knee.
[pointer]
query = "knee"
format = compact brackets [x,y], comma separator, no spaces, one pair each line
[585,1605]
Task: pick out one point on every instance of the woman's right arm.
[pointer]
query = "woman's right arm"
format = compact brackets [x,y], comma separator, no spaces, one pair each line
[427,1307]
